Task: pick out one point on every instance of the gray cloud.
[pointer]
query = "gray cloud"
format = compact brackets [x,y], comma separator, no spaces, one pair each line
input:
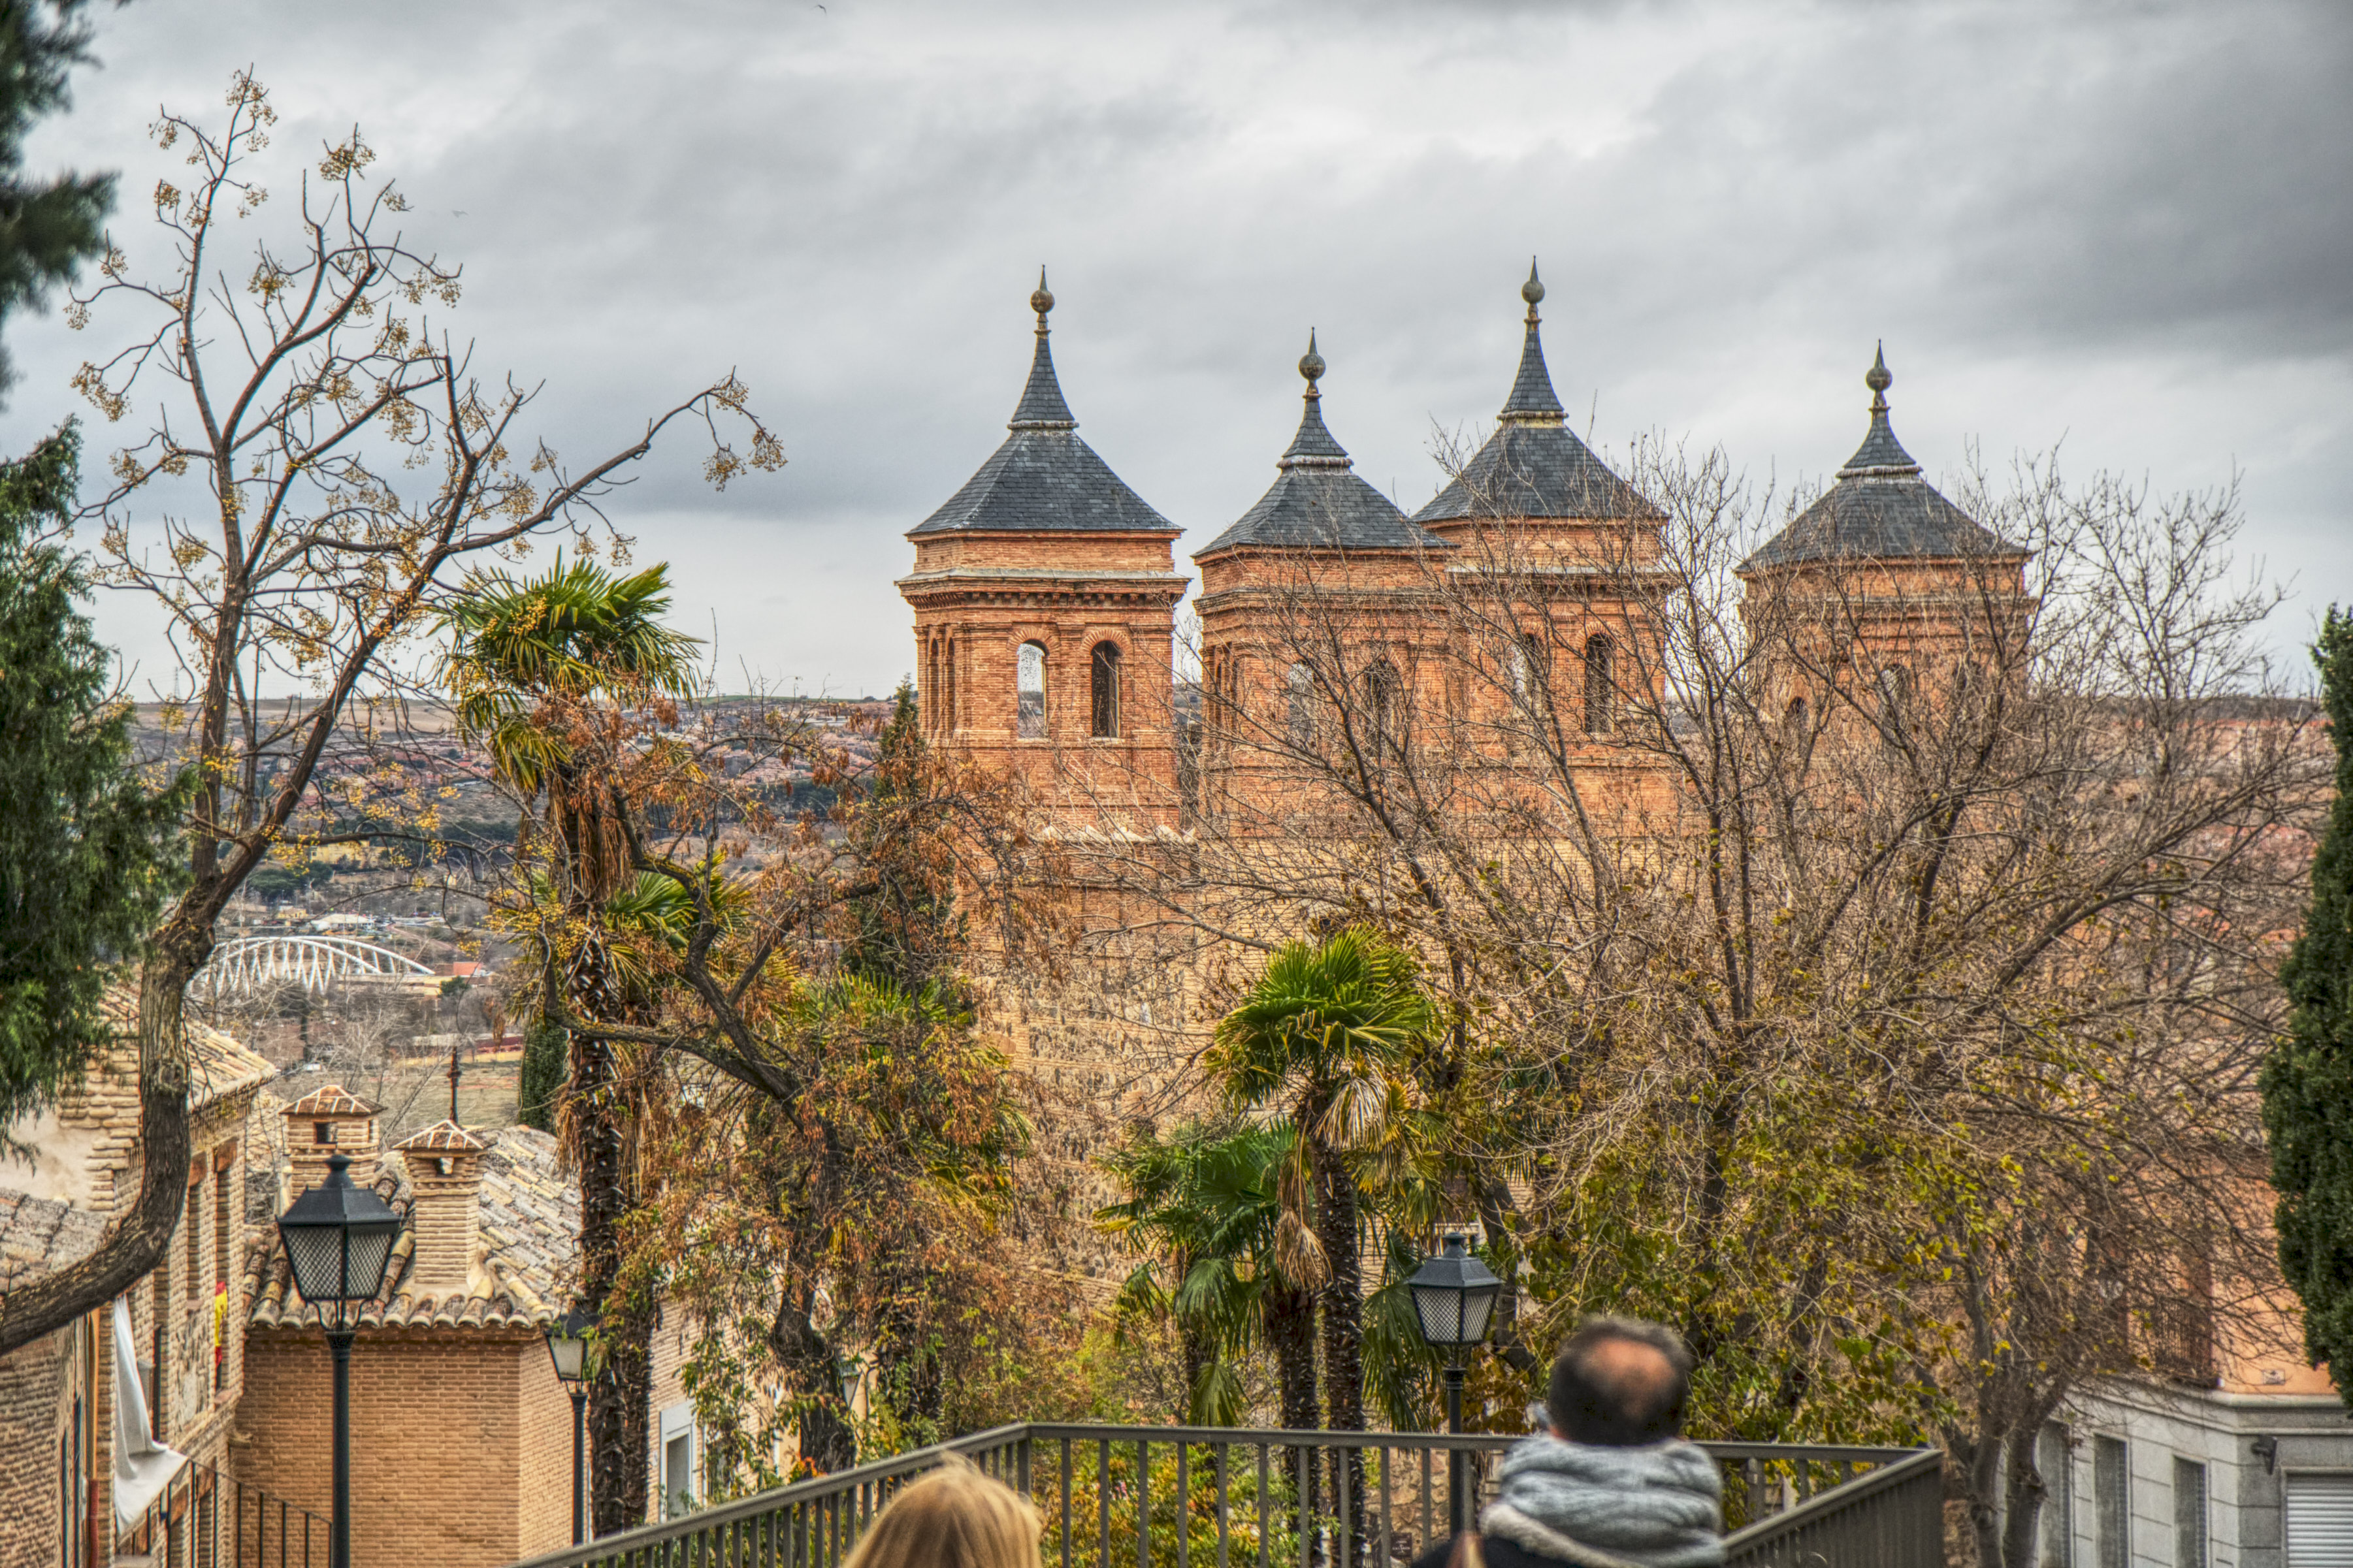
[2121,225]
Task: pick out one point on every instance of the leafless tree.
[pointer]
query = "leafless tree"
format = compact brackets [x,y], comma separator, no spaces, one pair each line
[320,458]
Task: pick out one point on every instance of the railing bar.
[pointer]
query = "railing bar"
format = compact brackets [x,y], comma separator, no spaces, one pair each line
[1225,1507]
[1264,1535]
[1143,1502]
[1388,1556]
[1065,1503]
[1102,1500]
[1427,1535]
[1183,1501]
[1340,1471]
[1306,1523]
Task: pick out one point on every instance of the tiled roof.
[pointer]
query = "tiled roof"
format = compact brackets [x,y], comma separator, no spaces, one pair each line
[38,1236]
[218,1066]
[1534,465]
[1531,469]
[332,1099]
[1316,501]
[529,1218]
[1881,509]
[443,1134]
[1044,480]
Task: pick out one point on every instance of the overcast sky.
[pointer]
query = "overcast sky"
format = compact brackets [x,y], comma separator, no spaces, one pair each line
[2127,228]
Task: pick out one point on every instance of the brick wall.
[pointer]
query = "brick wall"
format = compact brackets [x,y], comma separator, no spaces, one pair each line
[36,1411]
[442,1468]
[543,1427]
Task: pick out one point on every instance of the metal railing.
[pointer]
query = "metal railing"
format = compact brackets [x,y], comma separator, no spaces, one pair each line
[1209,1497]
[204,1520]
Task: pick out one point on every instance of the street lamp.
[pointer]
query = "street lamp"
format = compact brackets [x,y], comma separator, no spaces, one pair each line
[572,1345]
[338,1238]
[1453,1300]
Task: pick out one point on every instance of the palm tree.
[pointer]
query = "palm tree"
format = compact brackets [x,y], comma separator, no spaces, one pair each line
[1206,1204]
[545,670]
[1326,1033]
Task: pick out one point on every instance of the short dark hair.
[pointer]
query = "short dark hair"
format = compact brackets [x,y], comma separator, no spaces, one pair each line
[1594,1399]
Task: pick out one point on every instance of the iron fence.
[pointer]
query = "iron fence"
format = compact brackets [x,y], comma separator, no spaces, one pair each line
[203,1519]
[1207,1496]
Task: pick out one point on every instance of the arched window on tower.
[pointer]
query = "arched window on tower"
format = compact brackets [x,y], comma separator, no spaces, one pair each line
[947,686]
[1531,677]
[1600,688]
[1029,693]
[1384,708]
[1105,692]
[930,690]
[1299,690]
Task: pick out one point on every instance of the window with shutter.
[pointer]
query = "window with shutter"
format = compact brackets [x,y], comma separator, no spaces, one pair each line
[2055,1458]
[2111,1496]
[2188,1514]
[2319,1518]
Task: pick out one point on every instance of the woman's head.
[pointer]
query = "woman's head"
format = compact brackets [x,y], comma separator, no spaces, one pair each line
[952,1518]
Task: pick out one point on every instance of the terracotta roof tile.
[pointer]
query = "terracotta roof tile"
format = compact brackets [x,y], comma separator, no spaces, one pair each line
[528,1218]
[443,1134]
[41,1235]
[331,1099]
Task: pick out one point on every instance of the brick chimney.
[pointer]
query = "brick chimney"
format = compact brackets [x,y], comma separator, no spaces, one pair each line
[444,1184]
[329,1120]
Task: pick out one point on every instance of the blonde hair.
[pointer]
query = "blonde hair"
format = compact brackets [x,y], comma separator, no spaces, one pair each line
[952,1518]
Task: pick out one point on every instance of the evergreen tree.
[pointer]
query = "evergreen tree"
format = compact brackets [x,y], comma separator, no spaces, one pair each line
[47,227]
[2308,1083]
[83,846]
[541,1081]
[904,931]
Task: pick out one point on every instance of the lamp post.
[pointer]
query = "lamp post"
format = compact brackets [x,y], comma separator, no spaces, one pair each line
[571,1342]
[338,1238]
[1453,1300]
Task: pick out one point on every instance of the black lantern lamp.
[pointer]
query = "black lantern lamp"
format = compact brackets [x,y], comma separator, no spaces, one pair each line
[1454,1301]
[338,1238]
[572,1346]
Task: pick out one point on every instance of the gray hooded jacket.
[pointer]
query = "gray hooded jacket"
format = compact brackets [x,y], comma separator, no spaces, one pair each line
[1658,1506]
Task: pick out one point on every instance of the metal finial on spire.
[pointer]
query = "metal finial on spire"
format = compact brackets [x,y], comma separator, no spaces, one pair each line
[1040,299]
[1532,290]
[1311,365]
[1878,380]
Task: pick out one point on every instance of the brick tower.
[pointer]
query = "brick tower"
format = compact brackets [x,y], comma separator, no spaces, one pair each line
[1559,583]
[1316,636]
[1045,599]
[1882,589]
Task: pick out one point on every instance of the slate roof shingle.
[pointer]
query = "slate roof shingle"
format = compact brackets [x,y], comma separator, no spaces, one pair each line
[1044,480]
[1316,501]
[1880,509]
[1534,465]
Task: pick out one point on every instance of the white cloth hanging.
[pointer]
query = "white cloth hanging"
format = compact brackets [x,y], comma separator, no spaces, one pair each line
[143,1466]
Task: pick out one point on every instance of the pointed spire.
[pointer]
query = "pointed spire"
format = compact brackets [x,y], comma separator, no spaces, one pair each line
[1313,447]
[1532,401]
[1043,408]
[1881,453]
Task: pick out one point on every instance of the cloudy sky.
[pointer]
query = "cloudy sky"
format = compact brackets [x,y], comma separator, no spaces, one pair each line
[2125,227]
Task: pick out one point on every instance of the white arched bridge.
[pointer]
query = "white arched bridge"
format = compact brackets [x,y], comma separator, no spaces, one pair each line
[252,964]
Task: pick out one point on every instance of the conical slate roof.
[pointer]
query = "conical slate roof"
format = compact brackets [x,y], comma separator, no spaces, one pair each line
[1317,502]
[1881,509]
[1044,480]
[1533,464]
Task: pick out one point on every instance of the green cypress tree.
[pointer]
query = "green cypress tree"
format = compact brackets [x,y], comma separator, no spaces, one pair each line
[540,1082]
[85,852]
[2308,1082]
[47,227]
[904,931]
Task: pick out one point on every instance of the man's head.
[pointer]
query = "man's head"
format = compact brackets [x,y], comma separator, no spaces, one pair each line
[1619,1383]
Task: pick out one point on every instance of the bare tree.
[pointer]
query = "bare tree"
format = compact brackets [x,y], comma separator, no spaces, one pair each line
[320,458]
[1862,965]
